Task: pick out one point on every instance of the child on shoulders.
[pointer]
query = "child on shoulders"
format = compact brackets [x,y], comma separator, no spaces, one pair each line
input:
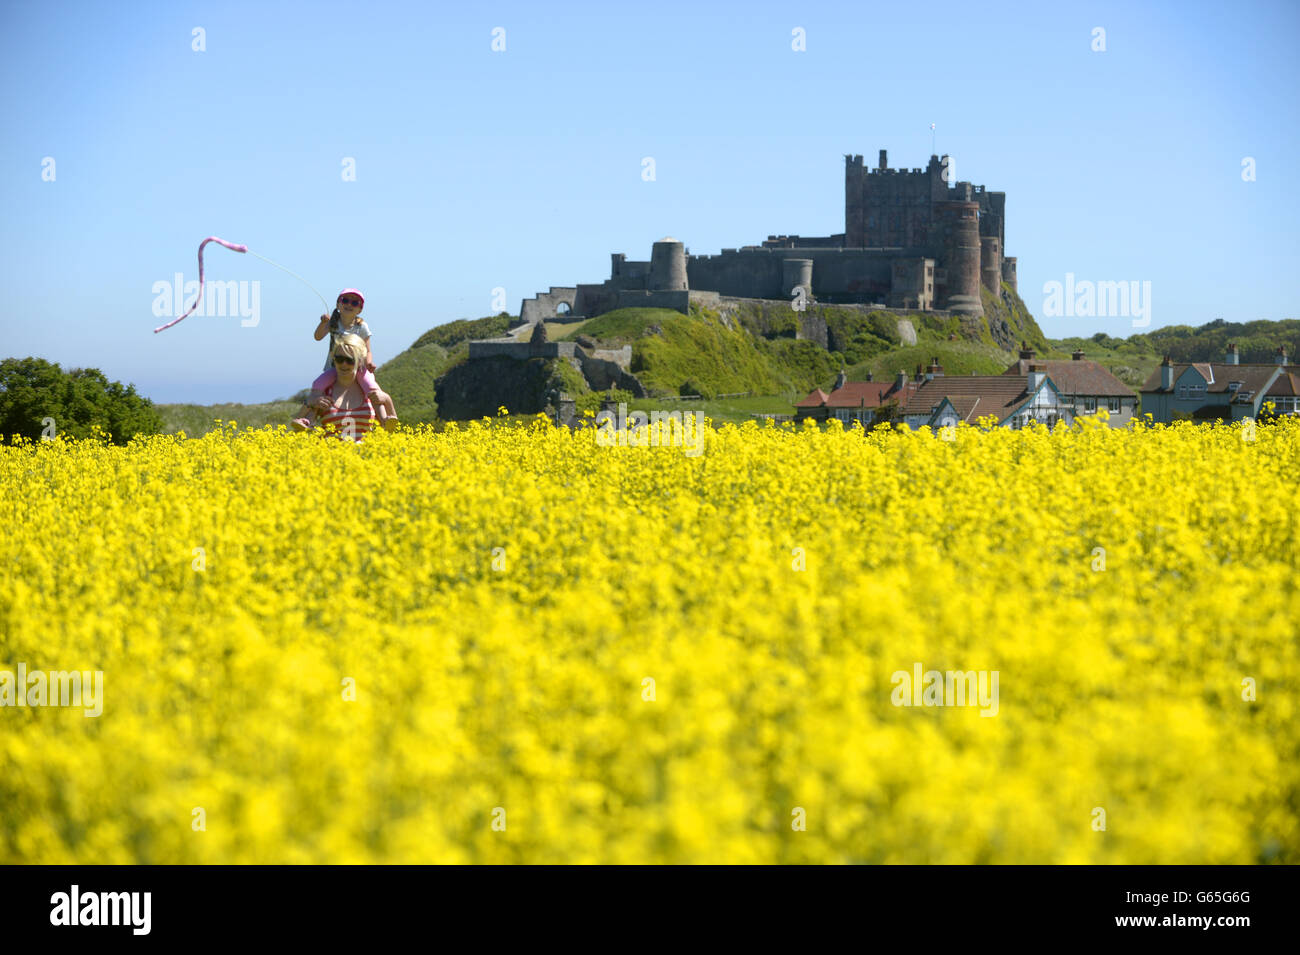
[346,320]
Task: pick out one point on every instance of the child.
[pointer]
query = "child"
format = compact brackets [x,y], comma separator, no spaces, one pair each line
[346,320]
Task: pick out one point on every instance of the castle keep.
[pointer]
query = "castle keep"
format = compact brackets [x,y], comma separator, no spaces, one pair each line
[910,240]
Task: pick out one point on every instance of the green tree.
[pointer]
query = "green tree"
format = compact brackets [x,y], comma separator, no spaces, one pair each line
[35,393]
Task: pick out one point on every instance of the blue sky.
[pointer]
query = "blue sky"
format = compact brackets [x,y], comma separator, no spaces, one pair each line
[521,169]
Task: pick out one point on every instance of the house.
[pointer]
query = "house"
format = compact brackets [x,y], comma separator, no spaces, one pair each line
[1085,386]
[865,402]
[1285,393]
[1222,391]
[1013,400]
[814,406]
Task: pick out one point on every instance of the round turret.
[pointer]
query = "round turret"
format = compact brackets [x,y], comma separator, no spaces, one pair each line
[796,273]
[1009,271]
[960,225]
[991,263]
[667,266]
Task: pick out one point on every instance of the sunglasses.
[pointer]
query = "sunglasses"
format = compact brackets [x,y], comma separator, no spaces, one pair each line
[350,302]
[344,360]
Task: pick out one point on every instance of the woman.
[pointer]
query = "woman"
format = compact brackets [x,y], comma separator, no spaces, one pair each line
[344,407]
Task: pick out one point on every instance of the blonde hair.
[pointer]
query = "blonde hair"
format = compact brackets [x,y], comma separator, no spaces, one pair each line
[353,346]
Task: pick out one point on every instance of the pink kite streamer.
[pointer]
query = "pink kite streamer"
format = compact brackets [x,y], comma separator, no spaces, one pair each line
[212,238]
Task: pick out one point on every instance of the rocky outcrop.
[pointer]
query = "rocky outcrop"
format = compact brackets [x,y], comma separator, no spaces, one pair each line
[477,388]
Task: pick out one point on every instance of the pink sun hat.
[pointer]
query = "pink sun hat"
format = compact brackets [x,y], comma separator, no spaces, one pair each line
[352,291]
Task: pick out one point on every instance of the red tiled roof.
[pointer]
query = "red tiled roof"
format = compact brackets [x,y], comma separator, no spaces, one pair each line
[1076,377]
[859,394]
[816,398]
[903,396]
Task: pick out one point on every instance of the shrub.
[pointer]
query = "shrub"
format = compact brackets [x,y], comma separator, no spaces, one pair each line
[37,397]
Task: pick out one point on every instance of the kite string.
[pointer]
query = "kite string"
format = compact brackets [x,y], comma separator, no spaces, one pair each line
[295,275]
[234,248]
[212,238]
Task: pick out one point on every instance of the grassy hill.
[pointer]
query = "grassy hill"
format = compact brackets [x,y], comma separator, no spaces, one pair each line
[754,348]
[195,420]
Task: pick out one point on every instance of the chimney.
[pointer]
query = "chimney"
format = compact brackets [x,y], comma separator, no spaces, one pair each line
[1234,355]
[840,380]
[920,375]
[900,381]
[870,376]
[1026,353]
[935,370]
[1281,355]
[1077,356]
[1166,375]
[1036,376]
[884,161]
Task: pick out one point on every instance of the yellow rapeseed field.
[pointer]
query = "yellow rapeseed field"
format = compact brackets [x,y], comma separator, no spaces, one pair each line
[511,644]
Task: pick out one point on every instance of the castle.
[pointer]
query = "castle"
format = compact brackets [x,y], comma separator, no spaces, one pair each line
[910,241]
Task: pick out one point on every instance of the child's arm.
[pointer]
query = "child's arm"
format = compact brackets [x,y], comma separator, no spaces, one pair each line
[370,357]
[323,328]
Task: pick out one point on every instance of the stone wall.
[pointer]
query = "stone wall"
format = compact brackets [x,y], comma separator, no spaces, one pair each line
[508,348]
[812,327]
[543,304]
[593,300]
[631,298]
[838,275]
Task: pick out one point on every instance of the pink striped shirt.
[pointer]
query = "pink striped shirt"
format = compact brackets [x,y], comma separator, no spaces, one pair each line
[339,420]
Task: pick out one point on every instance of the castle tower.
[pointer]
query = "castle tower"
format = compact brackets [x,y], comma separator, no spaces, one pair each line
[796,273]
[854,216]
[1009,272]
[960,224]
[667,266]
[991,264]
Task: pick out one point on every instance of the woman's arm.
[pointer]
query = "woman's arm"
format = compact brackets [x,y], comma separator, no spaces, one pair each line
[323,328]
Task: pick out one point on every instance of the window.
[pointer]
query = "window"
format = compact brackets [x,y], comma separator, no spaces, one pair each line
[1089,405]
[1112,405]
[1182,391]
